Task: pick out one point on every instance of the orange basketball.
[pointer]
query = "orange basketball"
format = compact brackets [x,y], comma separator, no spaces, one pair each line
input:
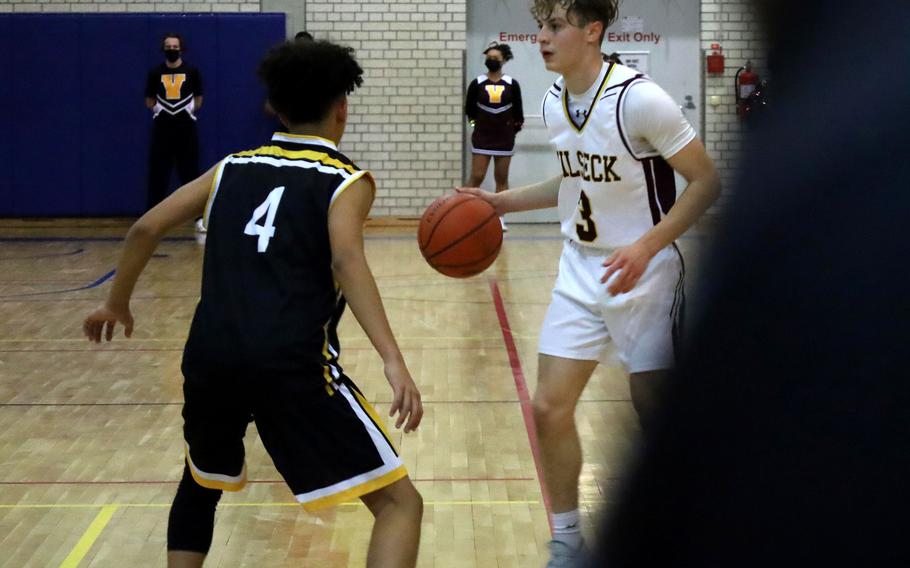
[459,235]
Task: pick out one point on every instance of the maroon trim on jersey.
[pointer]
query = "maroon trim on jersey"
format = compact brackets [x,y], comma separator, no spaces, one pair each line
[665,181]
[543,107]
[622,85]
[678,309]
[661,182]
[622,135]
[648,166]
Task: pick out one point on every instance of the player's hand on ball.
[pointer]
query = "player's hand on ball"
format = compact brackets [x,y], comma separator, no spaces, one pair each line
[488,196]
[103,320]
[631,262]
[406,396]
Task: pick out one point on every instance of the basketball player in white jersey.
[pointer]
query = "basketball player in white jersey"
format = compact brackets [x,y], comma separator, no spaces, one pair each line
[618,139]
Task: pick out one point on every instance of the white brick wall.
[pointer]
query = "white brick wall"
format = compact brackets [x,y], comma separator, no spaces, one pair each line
[405,124]
[49,6]
[734,25]
[406,121]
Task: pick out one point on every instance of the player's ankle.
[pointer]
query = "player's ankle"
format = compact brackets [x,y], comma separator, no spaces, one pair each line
[567,528]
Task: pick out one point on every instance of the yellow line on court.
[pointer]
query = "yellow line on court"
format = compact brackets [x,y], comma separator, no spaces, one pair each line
[88,539]
[115,506]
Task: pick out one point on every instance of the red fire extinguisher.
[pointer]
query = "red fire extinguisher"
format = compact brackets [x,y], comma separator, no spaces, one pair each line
[745,83]
[716,60]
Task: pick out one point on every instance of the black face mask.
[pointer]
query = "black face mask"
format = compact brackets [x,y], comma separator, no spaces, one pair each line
[172,55]
[493,65]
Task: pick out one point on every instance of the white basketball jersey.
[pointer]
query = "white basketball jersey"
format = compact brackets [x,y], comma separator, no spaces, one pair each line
[608,197]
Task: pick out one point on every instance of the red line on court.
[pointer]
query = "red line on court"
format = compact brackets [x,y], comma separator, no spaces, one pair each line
[163,349]
[251,481]
[522,387]
[89,350]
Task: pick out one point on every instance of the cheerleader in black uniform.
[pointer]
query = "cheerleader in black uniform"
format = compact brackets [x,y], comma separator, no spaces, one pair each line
[493,107]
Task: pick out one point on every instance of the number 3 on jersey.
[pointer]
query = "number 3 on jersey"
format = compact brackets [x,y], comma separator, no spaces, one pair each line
[587,232]
[267,209]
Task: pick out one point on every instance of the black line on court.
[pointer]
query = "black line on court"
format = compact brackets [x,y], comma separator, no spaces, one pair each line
[252,481]
[180,403]
[193,239]
[51,255]
[83,239]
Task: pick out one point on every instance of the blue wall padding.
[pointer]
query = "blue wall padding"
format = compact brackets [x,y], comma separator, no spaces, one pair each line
[45,122]
[246,57]
[6,67]
[114,128]
[75,130]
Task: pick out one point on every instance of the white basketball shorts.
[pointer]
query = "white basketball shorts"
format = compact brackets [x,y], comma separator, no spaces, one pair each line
[643,324]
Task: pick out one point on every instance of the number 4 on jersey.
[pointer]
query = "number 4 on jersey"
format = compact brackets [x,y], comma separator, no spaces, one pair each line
[267,209]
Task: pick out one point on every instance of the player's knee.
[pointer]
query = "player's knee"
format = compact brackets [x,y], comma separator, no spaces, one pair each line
[409,500]
[401,496]
[415,503]
[192,518]
[550,415]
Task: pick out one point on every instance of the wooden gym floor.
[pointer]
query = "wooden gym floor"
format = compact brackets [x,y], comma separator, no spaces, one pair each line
[90,436]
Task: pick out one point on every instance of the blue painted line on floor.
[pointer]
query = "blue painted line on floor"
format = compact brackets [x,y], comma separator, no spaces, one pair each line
[94,284]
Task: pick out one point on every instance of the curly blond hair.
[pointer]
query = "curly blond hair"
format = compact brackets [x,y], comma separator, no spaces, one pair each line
[579,12]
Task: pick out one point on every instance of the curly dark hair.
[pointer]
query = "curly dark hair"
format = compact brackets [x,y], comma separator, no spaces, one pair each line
[304,79]
[502,48]
[579,12]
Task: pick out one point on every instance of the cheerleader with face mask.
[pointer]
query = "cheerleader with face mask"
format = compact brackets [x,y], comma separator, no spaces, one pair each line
[493,107]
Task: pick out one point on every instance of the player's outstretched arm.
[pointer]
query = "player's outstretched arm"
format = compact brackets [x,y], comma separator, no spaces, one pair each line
[183,205]
[349,263]
[694,164]
[535,196]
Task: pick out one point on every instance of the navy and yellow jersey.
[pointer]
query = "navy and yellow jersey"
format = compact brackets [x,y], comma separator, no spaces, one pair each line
[269,301]
[495,107]
[173,89]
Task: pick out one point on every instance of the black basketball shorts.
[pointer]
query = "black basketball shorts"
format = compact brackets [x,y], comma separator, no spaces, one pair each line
[327,442]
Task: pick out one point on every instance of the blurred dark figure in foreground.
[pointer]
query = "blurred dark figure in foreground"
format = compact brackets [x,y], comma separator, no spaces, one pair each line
[787,440]
[756,104]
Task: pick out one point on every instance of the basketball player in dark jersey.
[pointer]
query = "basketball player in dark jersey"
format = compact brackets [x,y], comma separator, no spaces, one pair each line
[284,255]
[493,107]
